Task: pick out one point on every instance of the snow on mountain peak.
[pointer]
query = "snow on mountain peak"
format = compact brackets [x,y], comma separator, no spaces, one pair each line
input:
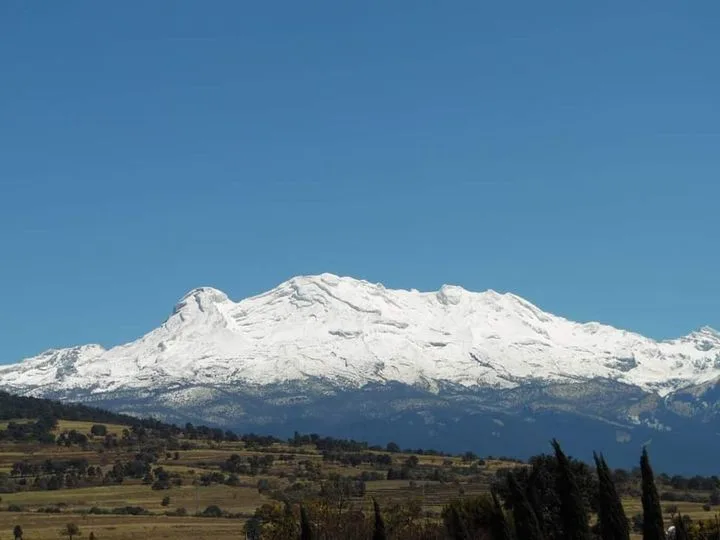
[202,297]
[710,332]
[450,294]
[355,332]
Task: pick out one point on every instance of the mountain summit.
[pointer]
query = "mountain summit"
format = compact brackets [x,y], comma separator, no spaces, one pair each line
[352,333]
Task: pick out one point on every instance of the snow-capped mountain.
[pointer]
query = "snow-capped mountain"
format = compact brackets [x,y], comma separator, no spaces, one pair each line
[322,347]
[353,333]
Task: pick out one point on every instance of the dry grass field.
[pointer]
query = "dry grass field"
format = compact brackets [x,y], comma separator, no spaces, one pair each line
[42,513]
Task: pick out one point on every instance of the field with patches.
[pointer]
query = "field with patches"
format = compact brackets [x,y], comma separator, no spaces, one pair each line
[133,483]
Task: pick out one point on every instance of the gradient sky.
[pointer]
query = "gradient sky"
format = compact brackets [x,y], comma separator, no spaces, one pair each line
[566,151]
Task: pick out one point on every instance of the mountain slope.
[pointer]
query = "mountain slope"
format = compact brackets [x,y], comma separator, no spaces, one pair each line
[354,333]
[451,369]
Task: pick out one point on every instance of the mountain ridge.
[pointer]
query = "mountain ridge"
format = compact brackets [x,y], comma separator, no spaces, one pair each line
[356,332]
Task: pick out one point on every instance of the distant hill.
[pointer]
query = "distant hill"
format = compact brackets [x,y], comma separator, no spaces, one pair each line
[14,407]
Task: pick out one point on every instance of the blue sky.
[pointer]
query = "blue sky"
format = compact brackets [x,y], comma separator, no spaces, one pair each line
[568,152]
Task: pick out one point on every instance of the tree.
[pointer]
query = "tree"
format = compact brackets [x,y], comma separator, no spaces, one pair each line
[253,529]
[527,525]
[412,462]
[392,447]
[18,532]
[572,510]
[379,530]
[473,517]
[653,527]
[455,524]
[213,511]
[614,524]
[98,430]
[305,527]
[681,530]
[70,530]
[498,524]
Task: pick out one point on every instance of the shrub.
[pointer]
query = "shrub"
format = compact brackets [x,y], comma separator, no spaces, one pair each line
[233,480]
[212,511]
[130,511]
[98,511]
[70,530]
[98,430]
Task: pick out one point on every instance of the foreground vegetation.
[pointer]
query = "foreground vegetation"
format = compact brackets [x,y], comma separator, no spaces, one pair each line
[67,471]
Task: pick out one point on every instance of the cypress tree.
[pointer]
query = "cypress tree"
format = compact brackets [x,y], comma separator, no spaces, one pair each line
[613,521]
[527,525]
[681,532]
[379,531]
[572,509]
[653,527]
[531,492]
[305,529]
[498,524]
[455,524]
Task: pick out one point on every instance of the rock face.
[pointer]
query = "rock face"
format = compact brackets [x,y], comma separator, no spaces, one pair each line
[343,356]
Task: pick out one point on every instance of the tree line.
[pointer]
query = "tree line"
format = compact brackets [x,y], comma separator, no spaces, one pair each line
[553,498]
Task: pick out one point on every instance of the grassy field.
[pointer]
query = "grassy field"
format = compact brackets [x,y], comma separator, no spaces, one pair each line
[84,427]
[30,507]
[41,526]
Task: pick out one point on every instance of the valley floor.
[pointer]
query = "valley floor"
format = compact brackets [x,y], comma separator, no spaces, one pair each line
[291,471]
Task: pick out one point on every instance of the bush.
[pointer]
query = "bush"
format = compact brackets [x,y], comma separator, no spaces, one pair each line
[161,484]
[14,508]
[165,501]
[49,510]
[95,510]
[130,511]
[212,511]
[233,480]
[98,430]
[392,447]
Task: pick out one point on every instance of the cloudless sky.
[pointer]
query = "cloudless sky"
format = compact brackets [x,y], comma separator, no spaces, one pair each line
[565,151]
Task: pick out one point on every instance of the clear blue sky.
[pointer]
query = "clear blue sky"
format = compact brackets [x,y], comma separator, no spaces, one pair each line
[566,151]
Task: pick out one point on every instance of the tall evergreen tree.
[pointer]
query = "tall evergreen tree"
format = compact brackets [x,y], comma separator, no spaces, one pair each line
[305,528]
[572,508]
[653,527]
[614,524]
[681,532]
[498,524]
[455,523]
[531,492]
[527,525]
[379,530]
